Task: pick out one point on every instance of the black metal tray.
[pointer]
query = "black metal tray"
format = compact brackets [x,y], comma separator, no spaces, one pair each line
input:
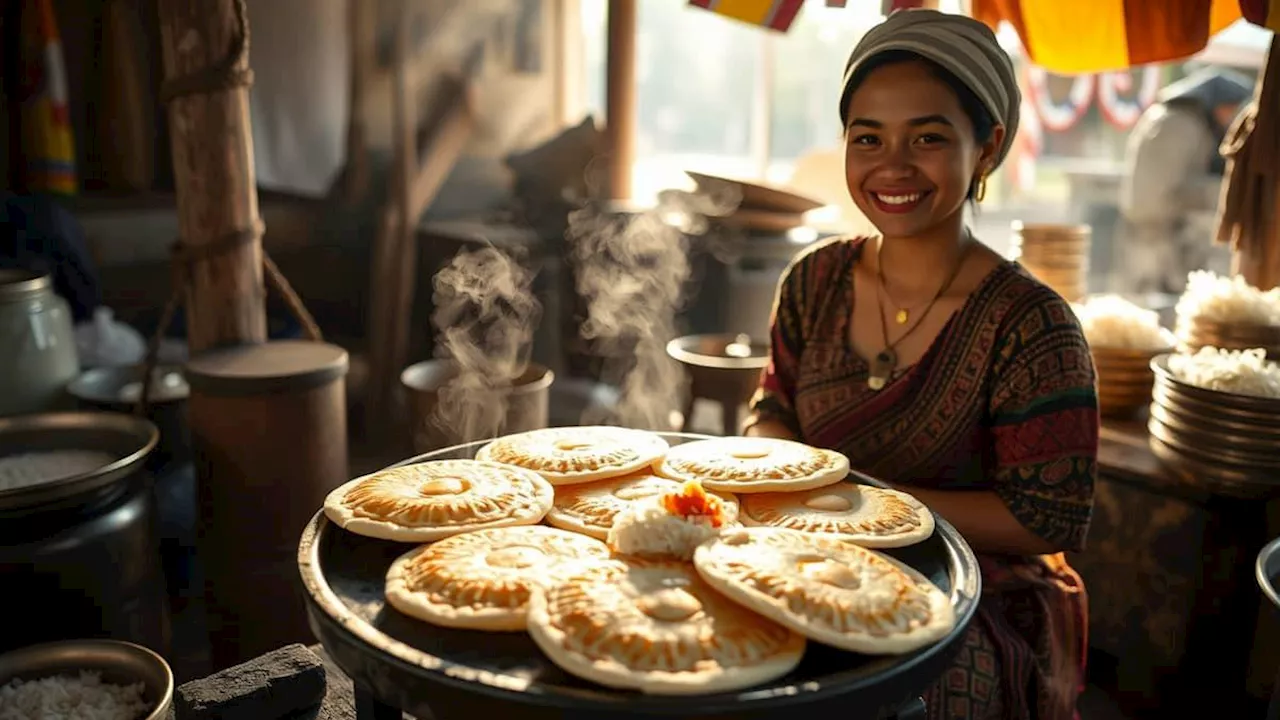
[409,665]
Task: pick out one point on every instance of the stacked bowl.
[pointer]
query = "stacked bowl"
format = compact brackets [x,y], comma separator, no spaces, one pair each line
[1125,378]
[1196,332]
[1056,254]
[1225,442]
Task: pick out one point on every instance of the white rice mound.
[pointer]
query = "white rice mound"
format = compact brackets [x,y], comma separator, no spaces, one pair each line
[64,697]
[1212,297]
[1110,321]
[1242,372]
[646,529]
[35,468]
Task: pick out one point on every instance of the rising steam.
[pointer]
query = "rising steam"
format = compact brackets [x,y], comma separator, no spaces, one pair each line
[485,315]
[631,270]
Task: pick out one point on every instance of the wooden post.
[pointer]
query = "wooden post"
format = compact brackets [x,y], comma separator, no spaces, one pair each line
[620,91]
[217,194]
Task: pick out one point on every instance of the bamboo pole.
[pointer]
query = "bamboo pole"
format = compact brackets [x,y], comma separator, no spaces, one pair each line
[620,92]
[206,86]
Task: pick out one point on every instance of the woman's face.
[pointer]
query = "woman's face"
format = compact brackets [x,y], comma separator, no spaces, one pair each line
[910,152]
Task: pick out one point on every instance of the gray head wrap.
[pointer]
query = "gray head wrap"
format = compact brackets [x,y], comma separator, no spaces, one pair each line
[962,46]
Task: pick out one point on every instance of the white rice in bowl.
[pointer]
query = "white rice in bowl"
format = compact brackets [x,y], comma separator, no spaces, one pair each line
[35,468]
[1110,321]
[1241,372]
[1214,298]
[65,697]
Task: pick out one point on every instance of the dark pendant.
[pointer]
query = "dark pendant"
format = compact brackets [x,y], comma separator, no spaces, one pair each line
[882,366]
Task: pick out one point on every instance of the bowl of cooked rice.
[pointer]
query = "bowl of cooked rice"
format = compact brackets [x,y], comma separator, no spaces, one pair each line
[84,680]
[1123,338]
[1215,417]
[1227,313]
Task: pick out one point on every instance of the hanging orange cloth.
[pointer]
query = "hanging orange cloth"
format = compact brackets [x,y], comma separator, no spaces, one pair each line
[1091,36]
[48,147]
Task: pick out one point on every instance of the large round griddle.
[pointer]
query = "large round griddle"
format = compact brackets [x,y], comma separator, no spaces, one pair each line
[401,663]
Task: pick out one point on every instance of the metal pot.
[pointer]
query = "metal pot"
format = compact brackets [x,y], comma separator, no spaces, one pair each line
[116,389]
[527,403]
[82,552]
[39,345]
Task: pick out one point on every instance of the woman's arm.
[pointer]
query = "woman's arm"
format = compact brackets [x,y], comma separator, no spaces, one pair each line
[770,429]
[1042,420]
[984,520]
[773,405]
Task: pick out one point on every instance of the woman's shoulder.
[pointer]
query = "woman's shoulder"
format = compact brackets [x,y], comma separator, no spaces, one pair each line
[1026,308]
[827,257]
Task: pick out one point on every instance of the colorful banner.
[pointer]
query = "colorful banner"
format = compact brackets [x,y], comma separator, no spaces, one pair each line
[48,148]
[1090,36]
[773,14]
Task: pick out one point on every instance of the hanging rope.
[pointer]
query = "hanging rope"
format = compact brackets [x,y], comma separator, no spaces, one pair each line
[230,73]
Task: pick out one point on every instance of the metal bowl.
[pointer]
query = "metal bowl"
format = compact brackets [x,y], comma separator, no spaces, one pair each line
[130,439]
[1209,475]
[1228,403]
[120,387]
[1215,446]
[1267,571]
[119,662]
[721,366]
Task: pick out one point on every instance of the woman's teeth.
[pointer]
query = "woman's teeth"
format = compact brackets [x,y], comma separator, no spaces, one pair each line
[898,199]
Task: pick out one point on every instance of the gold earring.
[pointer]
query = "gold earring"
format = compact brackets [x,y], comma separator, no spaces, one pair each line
[981,191]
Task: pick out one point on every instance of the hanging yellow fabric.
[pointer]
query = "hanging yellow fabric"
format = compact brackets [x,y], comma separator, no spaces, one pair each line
[1090,36]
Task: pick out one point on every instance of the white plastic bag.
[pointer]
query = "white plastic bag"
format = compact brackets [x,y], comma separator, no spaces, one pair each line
[103,342]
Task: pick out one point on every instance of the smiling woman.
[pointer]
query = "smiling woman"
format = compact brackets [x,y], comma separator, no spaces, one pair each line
[939,367]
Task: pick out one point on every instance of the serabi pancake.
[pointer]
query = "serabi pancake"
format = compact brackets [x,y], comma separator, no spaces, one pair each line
[830,591]
[656,627]
[432,500]
[590,508]
[868,516]
[753,465]
[483,580]
[569,455]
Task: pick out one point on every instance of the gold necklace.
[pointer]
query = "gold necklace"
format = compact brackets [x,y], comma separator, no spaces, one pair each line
[903,314]
[886,361]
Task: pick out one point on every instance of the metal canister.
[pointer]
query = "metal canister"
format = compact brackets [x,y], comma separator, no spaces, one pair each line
[37,344]
[269,436]
[79,556]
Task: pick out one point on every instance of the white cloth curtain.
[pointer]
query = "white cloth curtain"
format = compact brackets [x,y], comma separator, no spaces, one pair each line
[301,96]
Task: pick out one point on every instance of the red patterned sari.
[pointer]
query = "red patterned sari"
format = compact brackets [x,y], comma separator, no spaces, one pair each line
[1003,400]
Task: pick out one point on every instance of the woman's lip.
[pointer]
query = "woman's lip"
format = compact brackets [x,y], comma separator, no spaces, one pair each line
[897,202]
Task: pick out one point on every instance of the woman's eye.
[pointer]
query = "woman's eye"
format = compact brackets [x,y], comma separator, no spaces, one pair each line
[866,140]
[930,139]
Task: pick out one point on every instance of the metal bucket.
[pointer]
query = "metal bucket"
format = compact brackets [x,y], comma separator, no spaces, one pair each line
[527,402]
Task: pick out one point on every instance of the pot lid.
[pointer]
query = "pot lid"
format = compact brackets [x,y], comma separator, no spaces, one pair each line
[271,367]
